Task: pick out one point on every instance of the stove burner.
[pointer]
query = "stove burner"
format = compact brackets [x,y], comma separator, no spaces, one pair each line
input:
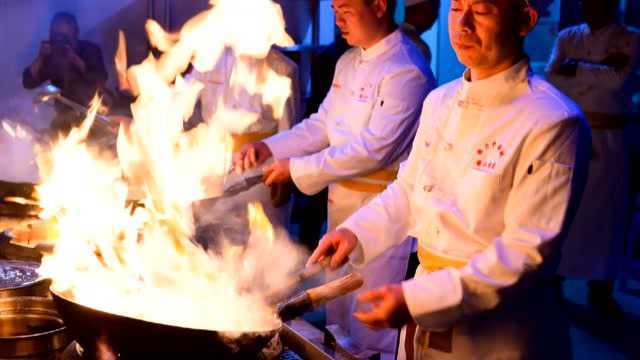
[75,352]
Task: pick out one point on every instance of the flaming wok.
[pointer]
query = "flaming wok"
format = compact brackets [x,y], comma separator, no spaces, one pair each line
[129,338]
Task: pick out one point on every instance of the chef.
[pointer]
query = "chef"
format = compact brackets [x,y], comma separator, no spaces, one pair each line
[594,64]
[354,142]
[489,186]
[219,89]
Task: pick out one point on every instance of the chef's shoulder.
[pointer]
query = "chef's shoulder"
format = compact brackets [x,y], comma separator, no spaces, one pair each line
[442,94]
[545,106]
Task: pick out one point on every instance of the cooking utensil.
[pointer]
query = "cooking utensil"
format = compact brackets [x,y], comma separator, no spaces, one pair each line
[313,298]
[30,326]
[16,199]
[52,92]
[134,338]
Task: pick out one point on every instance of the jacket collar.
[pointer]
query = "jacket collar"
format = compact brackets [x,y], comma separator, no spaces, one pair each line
[381,46]
[498,89]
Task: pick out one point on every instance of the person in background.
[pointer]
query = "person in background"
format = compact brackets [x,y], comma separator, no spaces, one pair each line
[492,183]
[219,89]
[593,63]
[419,16]
[354,143]
[75,66]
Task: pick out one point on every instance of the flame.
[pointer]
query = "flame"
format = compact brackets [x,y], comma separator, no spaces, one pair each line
[141,261]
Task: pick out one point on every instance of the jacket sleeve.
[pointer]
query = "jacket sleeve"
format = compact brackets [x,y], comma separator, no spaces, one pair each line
[387,136]
[307,137]
[608,76]
[535,214]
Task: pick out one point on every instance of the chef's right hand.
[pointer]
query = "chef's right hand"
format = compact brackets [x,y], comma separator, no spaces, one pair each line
[336,245]
[251,155]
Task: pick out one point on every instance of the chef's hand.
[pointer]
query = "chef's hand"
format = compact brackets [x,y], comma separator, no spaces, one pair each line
[336,245]
[251,156]
[388,308]
[277,173]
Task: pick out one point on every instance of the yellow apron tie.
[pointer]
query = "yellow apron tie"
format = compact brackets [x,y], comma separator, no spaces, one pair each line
[431,261]
[375,182]
[437,340]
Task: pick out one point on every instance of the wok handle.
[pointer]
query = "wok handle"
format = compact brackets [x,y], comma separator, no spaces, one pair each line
[336,288]
[308,300]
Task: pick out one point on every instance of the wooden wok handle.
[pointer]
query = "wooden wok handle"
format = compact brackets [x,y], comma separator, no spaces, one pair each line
[336,288]
[310,299]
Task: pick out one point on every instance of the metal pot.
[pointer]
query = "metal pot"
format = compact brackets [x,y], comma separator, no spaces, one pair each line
[30,327]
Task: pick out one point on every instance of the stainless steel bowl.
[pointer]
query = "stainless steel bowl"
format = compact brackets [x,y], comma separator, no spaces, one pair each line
[30,327]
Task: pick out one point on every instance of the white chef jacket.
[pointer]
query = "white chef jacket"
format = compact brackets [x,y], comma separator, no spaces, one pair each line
[218,86]
[596,88]
[367,120]
[488,182]
[219,89]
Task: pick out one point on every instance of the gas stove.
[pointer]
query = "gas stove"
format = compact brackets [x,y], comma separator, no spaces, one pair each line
[299,341]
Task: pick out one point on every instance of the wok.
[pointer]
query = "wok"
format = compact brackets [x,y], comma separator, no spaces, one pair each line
[131,338]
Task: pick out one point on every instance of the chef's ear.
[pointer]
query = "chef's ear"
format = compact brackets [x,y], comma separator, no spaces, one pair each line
[381,8]
[528,20]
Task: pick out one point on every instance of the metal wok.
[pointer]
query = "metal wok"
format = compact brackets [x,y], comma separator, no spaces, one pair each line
[129,338]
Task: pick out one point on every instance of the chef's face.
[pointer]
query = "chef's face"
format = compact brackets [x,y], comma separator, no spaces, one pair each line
[360,21]
[486,34]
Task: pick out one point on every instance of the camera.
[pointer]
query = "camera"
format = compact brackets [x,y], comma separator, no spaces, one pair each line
[60,45]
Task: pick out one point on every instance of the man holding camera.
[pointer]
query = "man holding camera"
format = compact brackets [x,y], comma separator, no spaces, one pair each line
[75,66]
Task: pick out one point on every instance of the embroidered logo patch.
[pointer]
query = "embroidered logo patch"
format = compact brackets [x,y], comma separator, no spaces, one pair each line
[487,157]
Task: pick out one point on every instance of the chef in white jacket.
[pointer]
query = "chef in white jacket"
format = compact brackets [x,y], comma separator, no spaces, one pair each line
[491,182]
[594,64]
[276,70]
[363,128]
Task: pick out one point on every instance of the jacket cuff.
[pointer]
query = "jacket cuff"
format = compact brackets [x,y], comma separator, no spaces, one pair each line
[280,146]
[306,181]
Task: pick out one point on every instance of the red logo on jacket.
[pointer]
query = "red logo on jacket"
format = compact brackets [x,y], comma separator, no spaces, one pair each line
[488,156]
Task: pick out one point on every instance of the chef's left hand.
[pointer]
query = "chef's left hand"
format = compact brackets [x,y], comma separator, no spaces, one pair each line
[277,173]
[388,308]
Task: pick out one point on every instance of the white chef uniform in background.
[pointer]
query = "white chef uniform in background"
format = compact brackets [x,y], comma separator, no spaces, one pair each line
[218,89]
[604,93]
